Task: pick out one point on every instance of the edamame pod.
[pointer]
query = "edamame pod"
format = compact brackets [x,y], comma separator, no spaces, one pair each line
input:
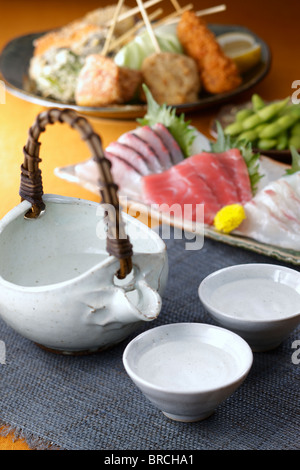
[269,111]
[260,127]
[293,109]
[233,129]
[249,136]
[295,141]
[243,114]
[295,130]
[266,144]
[251,122]
[282,141]
[278,126]
[257,102]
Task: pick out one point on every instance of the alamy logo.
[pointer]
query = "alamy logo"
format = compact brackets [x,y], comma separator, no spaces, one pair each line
[2,92]
[296,354]
[296,94]
[2,352]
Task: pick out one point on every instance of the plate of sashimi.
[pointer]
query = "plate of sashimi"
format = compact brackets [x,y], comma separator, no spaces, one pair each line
[246,199]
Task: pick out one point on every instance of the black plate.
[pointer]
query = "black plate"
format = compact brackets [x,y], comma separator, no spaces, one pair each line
[16,55]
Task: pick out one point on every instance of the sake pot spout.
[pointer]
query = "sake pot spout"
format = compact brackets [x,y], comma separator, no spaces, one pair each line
[145,302]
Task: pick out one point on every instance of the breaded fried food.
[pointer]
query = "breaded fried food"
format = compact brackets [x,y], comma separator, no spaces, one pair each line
[92,27]
[67,37]
[218,73]
[101,82]
[102,17]
[171,78]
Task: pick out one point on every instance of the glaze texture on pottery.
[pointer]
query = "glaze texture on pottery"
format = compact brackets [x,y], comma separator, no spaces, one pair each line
[260,302]
[187,369]
[57,282]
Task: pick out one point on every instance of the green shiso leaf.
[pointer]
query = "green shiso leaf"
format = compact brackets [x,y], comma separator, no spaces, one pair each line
[227,142]
[166,115]
[295,161]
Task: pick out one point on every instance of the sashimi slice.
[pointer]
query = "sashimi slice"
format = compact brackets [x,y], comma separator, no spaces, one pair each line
[214,173]
[263,225]
[281,209]
[272,216]
[148,135]
[294,182]
[143,148]
[170,143]
[129,155]
[88,172]
[125,175]
[289,196]
[238,172]
[170,188]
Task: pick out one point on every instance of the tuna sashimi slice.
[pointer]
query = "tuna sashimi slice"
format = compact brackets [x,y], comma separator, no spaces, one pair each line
[172,188]
[238,172]
[129,155]
[127,178]
[143,148]
[148,135]
[170,143]
[215,175]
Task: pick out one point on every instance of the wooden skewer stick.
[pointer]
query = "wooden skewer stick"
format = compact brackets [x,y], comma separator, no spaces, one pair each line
[173,16]
[176,5]
[148,26]
[112,27]
[207,11]
[127,35]
[133,11]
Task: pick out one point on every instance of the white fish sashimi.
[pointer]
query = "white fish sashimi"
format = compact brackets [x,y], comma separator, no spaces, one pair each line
[285,202]
[262,225]
[273,215]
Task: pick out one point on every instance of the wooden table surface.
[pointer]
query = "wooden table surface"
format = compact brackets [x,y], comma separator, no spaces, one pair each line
[276,22]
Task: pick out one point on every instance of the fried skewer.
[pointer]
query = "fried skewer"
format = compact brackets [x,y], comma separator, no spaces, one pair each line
[133,11]
[219,73]
[207,11]
[173,16]
[148,26]
[126,36]
[112,27]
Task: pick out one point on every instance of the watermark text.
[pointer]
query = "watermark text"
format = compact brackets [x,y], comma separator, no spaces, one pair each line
[2,92]
[296,353]
[188,218]
[296,94]
[2,352]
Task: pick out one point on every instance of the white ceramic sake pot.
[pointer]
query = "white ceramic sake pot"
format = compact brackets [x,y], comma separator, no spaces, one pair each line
[57,283]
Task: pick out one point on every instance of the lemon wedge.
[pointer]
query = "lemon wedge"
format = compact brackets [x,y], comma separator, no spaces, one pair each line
[242,48]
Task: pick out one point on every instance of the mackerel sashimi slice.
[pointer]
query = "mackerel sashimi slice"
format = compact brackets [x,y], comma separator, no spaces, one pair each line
[169,142]
[200,179]
[128,177]
[149,135]
[144,149]
[129,155]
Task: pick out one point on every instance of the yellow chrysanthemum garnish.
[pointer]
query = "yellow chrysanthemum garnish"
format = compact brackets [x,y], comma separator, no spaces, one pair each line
[229,218]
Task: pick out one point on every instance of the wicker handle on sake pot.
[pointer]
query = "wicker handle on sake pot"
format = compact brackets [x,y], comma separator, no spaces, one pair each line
[31,187]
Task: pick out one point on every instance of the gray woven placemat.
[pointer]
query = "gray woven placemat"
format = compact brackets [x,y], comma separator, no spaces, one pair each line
[89,402]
